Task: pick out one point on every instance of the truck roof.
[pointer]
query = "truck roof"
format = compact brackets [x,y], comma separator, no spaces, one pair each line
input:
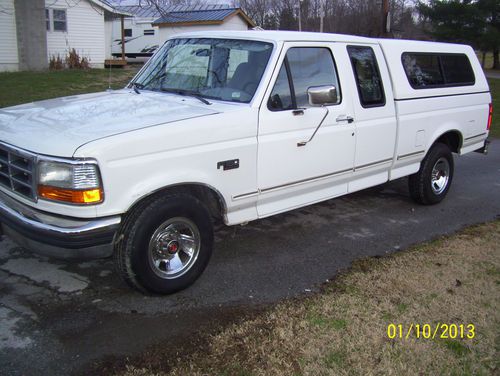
[279,36]
[286,36]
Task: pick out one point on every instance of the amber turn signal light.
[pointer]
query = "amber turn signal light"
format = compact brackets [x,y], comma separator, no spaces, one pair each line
[86,196]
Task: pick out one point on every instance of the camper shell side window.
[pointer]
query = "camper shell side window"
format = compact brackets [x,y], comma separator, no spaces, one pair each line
[437,70]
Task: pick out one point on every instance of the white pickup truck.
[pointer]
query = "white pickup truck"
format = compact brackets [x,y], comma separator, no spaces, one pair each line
[233,127]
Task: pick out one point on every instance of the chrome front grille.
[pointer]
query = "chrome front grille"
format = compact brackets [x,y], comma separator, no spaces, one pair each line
[17,171]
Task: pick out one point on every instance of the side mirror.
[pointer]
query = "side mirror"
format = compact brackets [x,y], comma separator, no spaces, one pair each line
[322,95]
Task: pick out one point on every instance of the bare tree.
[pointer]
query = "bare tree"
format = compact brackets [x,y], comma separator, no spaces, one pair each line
[163,5]
[360,17]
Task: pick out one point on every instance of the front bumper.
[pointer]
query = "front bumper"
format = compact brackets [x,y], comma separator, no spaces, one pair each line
[57,236]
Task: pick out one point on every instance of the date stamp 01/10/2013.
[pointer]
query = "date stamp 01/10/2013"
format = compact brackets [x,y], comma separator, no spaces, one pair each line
[431,331]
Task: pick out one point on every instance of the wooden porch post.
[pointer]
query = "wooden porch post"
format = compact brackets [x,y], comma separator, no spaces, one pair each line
[122,18]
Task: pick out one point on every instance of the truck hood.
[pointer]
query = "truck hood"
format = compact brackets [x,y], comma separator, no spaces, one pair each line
[59,126]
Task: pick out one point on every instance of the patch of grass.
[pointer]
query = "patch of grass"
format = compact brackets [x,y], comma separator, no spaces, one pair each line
[337,332]
[456,347]
[387,316]
[495,93]
[334,359]
[325,322]
[235,370]
[402,307]
[493,272]
[25,87]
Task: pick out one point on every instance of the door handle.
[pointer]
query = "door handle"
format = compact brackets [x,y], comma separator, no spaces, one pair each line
[349,119]
[298,112]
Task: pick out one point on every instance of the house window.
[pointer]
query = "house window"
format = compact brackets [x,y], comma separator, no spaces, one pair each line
[127,32]
[149,32]
[47,19]
[55,20]
[59,16]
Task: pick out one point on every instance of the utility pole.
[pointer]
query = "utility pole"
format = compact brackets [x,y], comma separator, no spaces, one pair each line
[321,16]
[385,18]
[300,18]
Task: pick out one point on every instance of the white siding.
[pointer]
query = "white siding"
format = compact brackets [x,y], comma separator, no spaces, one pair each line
[108,38]
[232,23]
[8,37]
[85,31]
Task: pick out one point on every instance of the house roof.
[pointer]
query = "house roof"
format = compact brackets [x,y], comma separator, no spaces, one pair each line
[201,17]
[148,11]
[104,4]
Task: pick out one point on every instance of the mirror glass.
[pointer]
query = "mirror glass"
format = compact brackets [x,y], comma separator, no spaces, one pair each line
[322,95]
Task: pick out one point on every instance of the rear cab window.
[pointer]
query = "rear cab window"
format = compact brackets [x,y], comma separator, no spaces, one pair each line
[367,75]
[437,70]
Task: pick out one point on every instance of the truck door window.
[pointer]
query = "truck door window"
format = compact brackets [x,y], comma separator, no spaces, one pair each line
[281,96]
[302,68]
[311,67]
[366,72]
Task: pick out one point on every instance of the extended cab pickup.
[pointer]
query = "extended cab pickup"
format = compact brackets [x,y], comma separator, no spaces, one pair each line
[233,127]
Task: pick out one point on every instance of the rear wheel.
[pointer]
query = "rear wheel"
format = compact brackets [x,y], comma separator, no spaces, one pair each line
[431,183]
[165,244]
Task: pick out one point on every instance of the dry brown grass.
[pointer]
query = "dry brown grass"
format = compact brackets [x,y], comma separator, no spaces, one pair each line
[342,331]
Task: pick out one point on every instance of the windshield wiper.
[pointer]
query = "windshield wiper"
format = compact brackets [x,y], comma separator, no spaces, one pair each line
[136,86]
[187,93]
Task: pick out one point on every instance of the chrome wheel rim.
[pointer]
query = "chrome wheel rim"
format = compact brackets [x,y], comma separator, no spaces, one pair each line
[440,175]
[174,247]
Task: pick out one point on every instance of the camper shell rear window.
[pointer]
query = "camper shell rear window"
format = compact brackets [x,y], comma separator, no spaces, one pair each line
[437,70]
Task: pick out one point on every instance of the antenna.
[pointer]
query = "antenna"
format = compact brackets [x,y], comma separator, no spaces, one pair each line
[109,72]
[111,52]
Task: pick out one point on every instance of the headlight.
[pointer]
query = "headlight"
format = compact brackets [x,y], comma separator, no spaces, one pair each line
[76,183]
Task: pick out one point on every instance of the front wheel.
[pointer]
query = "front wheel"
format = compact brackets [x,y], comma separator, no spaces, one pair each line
[165,244]
[431,183]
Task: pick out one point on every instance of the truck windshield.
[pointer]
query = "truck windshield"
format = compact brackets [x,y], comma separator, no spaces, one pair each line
[223,69]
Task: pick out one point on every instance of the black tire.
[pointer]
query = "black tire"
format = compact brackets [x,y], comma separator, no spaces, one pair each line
[423,188]
[134,255]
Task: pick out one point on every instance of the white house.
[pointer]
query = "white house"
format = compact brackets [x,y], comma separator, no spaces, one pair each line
[150,27]
[8,39]
[32,31]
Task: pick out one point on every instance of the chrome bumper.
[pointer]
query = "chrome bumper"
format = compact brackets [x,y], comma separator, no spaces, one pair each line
[57,236]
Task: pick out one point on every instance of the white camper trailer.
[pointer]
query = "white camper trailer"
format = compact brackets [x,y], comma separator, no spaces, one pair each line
[140,36]
[141,39]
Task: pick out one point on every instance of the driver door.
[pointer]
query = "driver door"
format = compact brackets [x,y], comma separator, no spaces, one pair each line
[290,175]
